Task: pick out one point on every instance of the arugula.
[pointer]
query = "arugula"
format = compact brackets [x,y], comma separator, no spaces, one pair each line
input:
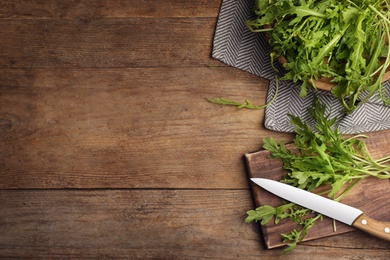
[342,40]
[247,104]
[320,156]
[290,211]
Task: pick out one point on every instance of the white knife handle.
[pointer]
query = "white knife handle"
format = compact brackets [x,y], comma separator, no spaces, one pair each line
[374,227]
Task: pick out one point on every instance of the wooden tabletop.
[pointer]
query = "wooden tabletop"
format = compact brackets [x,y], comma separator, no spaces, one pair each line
[109,148]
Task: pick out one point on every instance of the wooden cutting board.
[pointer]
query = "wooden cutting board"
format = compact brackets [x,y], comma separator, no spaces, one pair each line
[370,195]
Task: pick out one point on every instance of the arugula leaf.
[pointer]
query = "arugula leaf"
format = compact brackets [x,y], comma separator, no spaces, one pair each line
[264,214]
[343,40]
[224,101]
[248,104]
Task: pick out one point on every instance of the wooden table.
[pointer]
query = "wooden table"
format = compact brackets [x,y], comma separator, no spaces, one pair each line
[109,148]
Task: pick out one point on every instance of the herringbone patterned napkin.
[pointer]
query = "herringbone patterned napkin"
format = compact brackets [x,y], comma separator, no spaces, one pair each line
[237,46]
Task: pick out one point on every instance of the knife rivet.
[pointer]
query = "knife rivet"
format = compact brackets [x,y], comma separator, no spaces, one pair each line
[387,230]
[364,222]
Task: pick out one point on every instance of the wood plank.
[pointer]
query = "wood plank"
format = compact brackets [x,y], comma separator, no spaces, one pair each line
[140,128]
[147,224]
[162,224]
[107,9]
[363,196]
[97,43]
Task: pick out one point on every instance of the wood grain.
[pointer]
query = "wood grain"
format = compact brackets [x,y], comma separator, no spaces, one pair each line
[82,9]
[97,128]
[119,42]
[150,224]
[147,224]
[372,226]
[108,149]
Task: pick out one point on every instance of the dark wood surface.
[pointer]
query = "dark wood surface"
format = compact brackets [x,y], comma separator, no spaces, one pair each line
[109,148]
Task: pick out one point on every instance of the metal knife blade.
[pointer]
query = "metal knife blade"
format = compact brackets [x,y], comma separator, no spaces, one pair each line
[327,207]
[336,210]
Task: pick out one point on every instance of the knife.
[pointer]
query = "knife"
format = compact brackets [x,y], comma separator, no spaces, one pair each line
[333,209]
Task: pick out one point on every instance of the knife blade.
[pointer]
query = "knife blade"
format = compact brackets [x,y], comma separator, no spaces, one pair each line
[333,209]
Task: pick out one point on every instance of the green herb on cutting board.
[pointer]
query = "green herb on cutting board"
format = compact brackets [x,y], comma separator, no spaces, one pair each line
[320,156]
[341,40]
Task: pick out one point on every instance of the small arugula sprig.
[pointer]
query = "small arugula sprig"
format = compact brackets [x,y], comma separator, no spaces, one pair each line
[319,156]
[224,101]
[247,104]
[290,211]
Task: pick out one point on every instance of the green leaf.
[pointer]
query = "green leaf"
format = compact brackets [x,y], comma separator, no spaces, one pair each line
[263,214]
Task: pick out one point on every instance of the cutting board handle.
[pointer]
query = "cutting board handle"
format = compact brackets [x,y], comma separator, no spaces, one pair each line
[374,227]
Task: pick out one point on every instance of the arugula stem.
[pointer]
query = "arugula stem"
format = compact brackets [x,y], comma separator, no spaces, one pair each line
[370,161]
[354,4]
[379,13]
[384,159]
[248,104]
[338,198]
[355,137]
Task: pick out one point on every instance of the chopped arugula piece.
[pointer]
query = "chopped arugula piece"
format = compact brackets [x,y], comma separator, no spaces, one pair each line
[341,40]
[248,104]
[320,156]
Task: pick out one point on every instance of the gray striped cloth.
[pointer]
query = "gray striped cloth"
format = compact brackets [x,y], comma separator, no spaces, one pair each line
[235,45]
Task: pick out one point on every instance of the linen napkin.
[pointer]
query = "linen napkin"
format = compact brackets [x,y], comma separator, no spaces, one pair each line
[235,45]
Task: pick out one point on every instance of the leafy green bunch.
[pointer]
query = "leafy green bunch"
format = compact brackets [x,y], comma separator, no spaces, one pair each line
[341,40]
[318,157]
